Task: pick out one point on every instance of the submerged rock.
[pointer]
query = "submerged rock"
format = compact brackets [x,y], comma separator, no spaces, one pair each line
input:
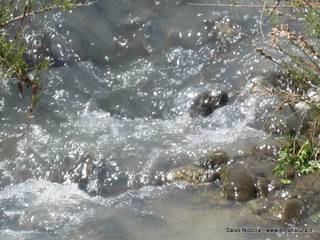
[97,178]
[82,171]
[205,169]
[205,103]
[213,160]
[308,188]
[263,151]
[288,204]
[238,184]
[260,206]
[310,183]
[191,174]
[262,186]
[290,211]
[265,186]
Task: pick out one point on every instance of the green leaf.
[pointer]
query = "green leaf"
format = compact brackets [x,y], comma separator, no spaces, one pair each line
[285,181]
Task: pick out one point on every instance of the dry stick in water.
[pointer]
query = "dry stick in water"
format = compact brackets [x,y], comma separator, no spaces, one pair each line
[35,12]
[314,5]
[261,18]
[26,9]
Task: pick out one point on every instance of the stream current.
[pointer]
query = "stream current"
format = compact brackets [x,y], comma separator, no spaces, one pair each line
[123,77]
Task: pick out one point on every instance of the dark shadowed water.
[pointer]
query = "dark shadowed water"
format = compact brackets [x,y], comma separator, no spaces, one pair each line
[123,77]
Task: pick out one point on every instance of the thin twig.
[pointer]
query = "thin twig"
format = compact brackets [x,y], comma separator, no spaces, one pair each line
[25,11]
[35,12]
[314,64]
[273,10]
[314,5]
[261,18]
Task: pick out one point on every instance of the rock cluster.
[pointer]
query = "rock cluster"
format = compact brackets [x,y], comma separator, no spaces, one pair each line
[266,195]
[238,177]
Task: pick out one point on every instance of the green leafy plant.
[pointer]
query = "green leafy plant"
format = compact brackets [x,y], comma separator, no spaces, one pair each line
[13,48]
[300,156]
[312,23]
[285,181]
[300,65]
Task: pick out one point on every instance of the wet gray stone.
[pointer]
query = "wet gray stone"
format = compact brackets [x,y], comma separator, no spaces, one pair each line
[238,184]
[266,186]
[263,151]
[260,206]
[205,103]
[262,186]
[291,211]
[213,160]
[191,174]
[309,183]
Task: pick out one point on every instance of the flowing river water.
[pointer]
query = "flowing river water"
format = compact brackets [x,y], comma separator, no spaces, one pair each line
[123,77]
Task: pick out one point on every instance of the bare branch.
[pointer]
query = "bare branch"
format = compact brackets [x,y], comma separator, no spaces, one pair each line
[39,11]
